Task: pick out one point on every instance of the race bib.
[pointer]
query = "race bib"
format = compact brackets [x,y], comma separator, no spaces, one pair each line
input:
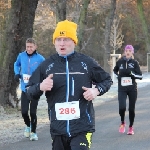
[67,110]
[125,81]
[26,78]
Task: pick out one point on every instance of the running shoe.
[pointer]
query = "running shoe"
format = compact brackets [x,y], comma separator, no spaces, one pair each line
[122,128]
[27,132]
[33,136]
[130,131]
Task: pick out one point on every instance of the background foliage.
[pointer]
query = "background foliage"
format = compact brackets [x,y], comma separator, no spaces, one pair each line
[99,22]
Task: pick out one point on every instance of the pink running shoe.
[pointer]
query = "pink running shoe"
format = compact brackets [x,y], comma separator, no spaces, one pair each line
[122,128]
[130,131]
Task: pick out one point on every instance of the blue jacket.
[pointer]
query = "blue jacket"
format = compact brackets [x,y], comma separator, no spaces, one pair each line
[26,65]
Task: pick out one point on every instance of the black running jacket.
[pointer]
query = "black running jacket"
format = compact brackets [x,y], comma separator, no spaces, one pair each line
[127,68]
[69,75]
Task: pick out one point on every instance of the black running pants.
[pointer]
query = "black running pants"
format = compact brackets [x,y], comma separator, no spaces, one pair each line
[122,96]
[26,104]
[81,141]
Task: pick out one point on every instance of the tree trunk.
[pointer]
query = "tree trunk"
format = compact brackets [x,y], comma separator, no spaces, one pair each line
[108,22]
[144,24]
[82,24]
[60,10]
[20,27]
[3,18]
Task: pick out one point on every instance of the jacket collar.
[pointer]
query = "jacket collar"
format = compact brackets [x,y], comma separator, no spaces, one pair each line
[68,57]
[35,52]
[126,59]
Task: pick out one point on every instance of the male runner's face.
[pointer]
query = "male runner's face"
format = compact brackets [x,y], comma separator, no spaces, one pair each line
[30,48]
[64,46]
[128,53]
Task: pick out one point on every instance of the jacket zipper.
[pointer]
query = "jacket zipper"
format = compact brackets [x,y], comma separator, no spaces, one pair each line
[29,66]
[67,93]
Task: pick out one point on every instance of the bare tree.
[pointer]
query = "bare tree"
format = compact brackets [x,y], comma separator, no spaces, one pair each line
[59,8]
[82,23]
[116,37]
[108,22]
[20,27]
[144,24]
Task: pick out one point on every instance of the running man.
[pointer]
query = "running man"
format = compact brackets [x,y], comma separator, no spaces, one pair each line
[24,66]
[66,78]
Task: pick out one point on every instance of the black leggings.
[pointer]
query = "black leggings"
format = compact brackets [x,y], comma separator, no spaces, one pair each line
[25,102]
[122,96]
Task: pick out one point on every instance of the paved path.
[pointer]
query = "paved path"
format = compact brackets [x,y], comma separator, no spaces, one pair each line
[106,136]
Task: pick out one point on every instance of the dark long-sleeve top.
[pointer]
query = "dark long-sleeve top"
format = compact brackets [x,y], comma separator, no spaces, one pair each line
[127,68]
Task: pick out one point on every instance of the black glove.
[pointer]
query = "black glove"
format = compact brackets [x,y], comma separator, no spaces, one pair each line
[17,77]
[119,78]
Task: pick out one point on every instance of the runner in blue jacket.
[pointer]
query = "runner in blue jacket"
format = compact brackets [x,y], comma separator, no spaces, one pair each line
[24,66]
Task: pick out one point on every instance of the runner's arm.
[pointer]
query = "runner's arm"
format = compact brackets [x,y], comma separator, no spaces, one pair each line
[137,74]
[33,88]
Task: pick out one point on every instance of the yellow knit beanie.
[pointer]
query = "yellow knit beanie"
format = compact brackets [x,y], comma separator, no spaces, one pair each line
[66,29]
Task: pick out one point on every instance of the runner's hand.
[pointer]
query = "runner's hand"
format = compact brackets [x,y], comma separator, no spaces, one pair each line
[90,93]
[47,83]
[17,77]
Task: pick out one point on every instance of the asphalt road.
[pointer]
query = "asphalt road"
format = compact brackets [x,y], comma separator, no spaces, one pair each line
[106,136]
